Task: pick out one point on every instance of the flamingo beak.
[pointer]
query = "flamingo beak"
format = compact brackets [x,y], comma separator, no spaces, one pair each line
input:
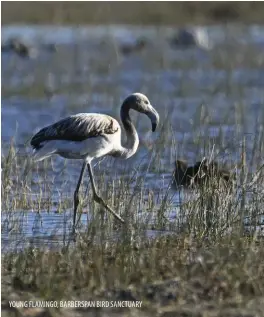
[154,118]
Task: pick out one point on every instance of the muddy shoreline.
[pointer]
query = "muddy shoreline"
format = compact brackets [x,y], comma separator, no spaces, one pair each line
[144,13]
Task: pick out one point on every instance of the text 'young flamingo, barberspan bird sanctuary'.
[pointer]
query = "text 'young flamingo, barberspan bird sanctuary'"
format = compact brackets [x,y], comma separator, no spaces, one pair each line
[88,136]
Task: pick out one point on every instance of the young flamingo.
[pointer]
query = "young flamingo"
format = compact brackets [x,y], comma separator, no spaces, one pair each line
[88,136]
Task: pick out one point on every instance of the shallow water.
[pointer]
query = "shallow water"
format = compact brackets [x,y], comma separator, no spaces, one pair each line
[53,230]
[216,91]
[50,230]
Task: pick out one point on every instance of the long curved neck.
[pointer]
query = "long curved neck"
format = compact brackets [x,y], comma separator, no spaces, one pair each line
[131,133]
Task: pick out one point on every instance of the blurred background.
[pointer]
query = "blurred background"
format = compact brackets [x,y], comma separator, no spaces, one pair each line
[143,13]
[200,63]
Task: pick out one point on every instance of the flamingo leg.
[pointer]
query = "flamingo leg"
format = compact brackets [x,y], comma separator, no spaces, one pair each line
[76,195]
[97,198]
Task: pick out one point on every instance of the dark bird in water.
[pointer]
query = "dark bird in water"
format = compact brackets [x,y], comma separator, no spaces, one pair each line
[130,48]
[199,173]
[187,176]
[18,47]
[187,38]
[23,49]
[213,170]
[87,136]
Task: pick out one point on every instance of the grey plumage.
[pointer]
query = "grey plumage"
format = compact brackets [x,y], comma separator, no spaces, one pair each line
[77,127]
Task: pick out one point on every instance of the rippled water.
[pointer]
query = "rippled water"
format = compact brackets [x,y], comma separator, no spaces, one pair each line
[199,92]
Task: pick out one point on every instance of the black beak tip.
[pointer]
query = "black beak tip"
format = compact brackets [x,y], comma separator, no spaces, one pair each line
[154,126]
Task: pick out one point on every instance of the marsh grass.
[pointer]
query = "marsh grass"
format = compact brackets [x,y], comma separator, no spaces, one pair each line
[205,261]
[172,273]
